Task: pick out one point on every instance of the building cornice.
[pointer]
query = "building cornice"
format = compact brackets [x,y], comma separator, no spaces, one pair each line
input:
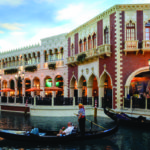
[108,12]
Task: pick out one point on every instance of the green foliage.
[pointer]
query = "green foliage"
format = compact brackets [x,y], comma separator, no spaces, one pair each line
[52,66]
[31,68]
[10,71]
[81,57]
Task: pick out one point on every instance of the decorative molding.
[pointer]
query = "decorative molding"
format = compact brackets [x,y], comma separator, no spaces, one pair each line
[108,12]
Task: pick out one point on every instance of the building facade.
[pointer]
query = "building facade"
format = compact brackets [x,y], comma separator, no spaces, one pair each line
[106,59]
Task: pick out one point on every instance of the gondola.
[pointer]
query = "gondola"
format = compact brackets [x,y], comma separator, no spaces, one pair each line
[50,136]
[124,119]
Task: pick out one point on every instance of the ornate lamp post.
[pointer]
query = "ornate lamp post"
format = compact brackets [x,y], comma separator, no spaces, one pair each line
[19,77]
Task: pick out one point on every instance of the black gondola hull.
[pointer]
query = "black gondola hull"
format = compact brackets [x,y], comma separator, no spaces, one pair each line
[58,139]
[124,119]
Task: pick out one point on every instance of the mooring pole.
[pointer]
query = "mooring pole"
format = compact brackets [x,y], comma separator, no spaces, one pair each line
[95,111]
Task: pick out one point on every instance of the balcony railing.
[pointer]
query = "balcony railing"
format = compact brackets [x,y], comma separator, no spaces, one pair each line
[131,46]
[32,62]
[12,64]
[100,51]
[146,45]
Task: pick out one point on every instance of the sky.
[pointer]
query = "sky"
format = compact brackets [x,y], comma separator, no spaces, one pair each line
[25,22]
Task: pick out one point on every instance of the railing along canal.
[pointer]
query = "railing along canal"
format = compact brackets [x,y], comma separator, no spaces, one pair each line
[134,102]
[49,101]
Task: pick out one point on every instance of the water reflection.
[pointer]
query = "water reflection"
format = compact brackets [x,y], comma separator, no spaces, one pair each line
[125,139]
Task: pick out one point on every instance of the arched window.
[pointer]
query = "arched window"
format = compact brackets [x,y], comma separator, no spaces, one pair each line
[89,42]
[106,35]
[50,55]
[81,46]
[147,31]
[72,49]
[85,45]
[94,40]
[130,31]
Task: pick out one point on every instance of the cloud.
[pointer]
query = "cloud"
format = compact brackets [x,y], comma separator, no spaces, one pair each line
[78,14]
[47,32]
[11,2]
[1,32]
[13,40]
[8,26]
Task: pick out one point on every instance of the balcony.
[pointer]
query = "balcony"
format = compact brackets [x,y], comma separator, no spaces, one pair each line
[131,46]
[12,64]
[101,51]
[31,62]
[146,46]
[104,50]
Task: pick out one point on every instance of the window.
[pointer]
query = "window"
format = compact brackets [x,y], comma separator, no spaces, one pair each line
[89,42]
[106,36]
[81,46]
[147,31]
[72,49]
[94,40]
[130,31]
[85,44]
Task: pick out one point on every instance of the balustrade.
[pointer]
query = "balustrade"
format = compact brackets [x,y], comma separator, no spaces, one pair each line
[131,46]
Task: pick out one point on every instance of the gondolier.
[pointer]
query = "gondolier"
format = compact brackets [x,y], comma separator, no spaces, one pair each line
[81,118]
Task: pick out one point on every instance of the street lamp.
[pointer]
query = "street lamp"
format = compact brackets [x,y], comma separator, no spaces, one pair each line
[19,77]
[149,63]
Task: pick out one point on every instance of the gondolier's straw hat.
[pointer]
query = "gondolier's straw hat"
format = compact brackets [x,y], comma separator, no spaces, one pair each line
[80,105]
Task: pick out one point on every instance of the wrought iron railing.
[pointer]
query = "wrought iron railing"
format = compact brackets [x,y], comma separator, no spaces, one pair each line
[11,99]
[19,100]
[4,99]
[59,101]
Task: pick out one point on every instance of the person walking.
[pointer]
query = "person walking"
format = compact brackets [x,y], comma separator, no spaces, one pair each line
[81,118]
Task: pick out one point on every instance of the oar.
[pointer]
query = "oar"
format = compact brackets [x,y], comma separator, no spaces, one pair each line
[94,123]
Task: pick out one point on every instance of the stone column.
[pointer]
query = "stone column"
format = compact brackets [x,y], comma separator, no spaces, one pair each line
[126,91]
[32,93]
[23,87]
[71,91]
[89,91]
[42,86]
[8,85]
[101,94]
[65,91]
[79,91]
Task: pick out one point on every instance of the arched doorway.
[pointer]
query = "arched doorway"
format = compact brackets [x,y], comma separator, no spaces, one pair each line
[12,86]
[92,88]
[27,86]
[82,87]
[139,89]
[48,83]
[73,88]
[4,85]
[106,90]
[59,82]
[36,83]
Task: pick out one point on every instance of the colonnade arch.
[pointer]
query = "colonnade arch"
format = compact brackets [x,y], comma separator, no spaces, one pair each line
[136,73]
[73,87]
[59,82]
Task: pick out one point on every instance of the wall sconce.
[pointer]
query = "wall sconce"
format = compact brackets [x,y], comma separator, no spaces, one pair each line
[149,63]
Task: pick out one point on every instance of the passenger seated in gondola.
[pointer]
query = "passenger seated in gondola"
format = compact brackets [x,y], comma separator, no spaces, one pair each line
[35,131]
[67,131]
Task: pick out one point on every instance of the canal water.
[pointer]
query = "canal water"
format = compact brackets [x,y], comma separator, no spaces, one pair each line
[124,139]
